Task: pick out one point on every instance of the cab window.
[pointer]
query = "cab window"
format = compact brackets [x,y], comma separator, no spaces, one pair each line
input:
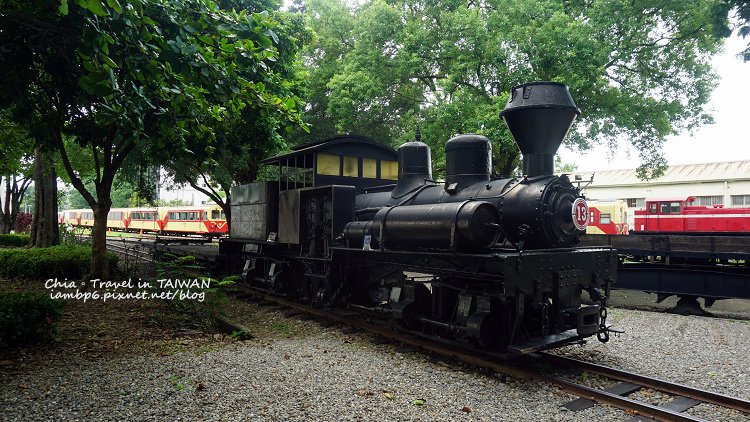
[351,166]
[604,219]
[663,207]
[652,208]
[389,170]
[369,168]
[329,165]
[674,207]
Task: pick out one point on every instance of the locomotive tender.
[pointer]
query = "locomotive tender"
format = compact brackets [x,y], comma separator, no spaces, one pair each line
[483,261]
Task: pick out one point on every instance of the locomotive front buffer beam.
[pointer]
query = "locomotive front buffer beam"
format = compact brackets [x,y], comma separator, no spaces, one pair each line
[504,301]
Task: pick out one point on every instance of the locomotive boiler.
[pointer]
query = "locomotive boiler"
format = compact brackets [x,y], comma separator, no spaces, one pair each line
[470,211]
[489,262]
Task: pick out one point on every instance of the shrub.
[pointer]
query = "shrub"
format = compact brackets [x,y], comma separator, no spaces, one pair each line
[23,221]
[27,317]
[14,240]
[64,261]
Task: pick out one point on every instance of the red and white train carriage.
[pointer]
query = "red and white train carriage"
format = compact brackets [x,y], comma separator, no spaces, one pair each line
[607,217]
[208,220]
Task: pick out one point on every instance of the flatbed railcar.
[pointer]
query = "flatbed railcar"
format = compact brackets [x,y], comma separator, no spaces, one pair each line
[488,262]
[679,249]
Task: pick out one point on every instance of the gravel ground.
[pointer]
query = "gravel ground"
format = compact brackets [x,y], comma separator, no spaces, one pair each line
[327,375]
[708,353]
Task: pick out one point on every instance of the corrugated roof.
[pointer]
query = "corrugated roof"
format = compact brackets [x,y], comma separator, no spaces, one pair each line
[705,172]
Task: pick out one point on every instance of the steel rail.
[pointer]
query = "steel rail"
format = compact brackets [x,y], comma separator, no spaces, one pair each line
[620,402]
[655,383]
[131,252]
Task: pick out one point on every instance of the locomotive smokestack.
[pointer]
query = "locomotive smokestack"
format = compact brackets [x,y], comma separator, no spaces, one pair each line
[539,115]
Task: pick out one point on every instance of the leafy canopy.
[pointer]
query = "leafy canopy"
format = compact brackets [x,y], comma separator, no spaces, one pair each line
[243,137]
[639,71]
[140,75]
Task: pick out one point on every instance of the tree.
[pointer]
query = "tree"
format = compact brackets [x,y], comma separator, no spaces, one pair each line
[15,170]
[563,168]
[122,192]
[639,71]
[242,139]
[138,76]
[740,11]
[45,231]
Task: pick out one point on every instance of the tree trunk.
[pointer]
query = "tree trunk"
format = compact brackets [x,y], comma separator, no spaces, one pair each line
[99,264]
[5,226]
[16,197]
[45,231]
[227,207]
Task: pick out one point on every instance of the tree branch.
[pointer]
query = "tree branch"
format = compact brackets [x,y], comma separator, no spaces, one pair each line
[211,194]
[24,186]
[74,179]
[98,177]
[120,156]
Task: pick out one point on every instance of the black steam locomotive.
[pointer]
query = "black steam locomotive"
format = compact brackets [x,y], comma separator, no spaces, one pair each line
[474,259]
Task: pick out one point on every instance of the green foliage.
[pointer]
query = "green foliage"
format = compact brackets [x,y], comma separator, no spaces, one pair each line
[177,382]
[171,203]
[143,77]
[69,235]
[639,71]
[243,138]
[200,313]
[563,168]
[241,335]
[27,317]
[739,12]
[14,240]
[16,149]
[122,195]
[63,261]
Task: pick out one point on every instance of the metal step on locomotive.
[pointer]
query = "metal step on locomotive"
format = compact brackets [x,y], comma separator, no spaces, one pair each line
[488,262]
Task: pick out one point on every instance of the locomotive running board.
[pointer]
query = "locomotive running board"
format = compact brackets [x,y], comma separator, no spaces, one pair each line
[541,343]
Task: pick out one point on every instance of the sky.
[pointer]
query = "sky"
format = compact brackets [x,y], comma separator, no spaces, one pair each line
[728,139]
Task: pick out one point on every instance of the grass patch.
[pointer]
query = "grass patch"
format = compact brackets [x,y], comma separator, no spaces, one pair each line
[63,261]
[178,383]
[14,240]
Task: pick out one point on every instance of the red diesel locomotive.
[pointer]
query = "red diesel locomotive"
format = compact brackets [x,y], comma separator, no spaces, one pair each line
[678,215]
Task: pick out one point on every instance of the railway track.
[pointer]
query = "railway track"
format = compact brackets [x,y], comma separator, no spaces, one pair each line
[684,397]
[623,382]
[136,250]
[155,238]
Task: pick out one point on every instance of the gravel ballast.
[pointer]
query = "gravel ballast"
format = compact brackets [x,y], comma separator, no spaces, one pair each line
[327,375]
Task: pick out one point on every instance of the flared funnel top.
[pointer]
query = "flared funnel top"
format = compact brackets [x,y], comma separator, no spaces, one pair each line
[539,115]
